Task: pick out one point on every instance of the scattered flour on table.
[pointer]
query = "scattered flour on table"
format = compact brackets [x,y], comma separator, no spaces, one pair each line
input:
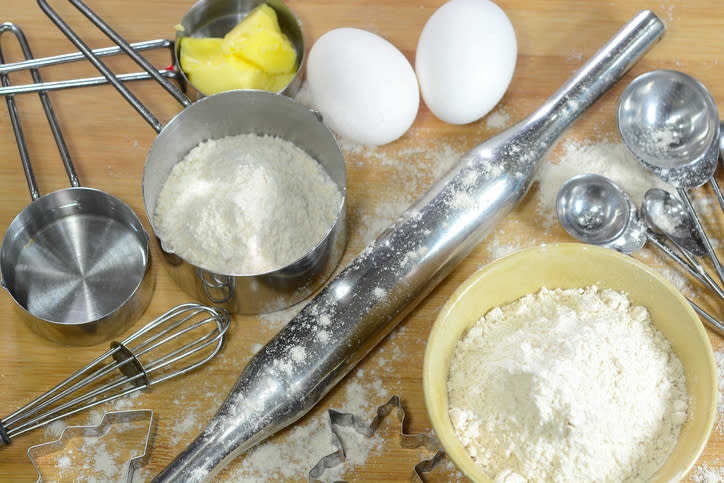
[714,472]
[707,474]
[497,119]
[98,458]
[497,248]
[540,389]
[303,445]
[54,429]
[245,204]
[606,158]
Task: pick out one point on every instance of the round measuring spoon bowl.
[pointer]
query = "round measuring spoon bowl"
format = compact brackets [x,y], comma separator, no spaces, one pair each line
[666,215]
[670,123]
[592,209]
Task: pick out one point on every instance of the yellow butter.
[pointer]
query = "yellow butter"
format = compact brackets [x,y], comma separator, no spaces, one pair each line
[197,53]
[259,40]
[210,71]
[253,55]
[280,81]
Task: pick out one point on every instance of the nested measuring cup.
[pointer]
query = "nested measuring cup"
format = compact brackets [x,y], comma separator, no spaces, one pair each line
[214,18]
[214,117]
[76,261]
[670,123]
[206,18]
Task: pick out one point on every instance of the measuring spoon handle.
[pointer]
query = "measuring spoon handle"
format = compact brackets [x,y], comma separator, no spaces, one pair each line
[714,324]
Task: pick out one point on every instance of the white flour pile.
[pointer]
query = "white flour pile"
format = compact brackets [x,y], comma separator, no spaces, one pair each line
[245,204]
[567,385]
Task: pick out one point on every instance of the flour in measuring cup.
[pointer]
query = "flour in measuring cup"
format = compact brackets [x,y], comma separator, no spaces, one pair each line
[567,385]
[245,204]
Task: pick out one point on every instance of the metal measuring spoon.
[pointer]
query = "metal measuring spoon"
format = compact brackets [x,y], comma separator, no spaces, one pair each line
[593,209]
[666,215]
[670,123]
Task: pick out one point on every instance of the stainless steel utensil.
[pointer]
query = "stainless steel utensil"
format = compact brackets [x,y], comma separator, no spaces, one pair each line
[206,18]
[76,260]
[666,215]
[595,210]
[214,117]
[81,82]
[582,199]
[39,452]
[670,123]
[214,18]
[362,304]
[177,342]
[36,63]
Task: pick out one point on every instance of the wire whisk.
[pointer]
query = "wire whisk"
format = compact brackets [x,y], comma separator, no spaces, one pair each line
[177,342]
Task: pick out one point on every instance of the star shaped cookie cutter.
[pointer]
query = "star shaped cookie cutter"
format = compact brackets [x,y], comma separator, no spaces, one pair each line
[411,441]
[108,420]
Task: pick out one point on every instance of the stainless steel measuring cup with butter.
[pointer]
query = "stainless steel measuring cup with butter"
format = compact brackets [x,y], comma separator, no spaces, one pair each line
[214,18]
[217,116]
[206,18]
[77,260]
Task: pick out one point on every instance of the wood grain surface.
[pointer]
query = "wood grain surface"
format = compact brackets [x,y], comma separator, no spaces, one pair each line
[108,141]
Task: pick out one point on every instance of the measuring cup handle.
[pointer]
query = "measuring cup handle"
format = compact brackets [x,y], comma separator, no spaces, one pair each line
[222,283]
[49,114]
[98,64]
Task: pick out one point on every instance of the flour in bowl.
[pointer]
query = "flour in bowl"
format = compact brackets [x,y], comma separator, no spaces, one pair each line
[246,204]
[567,385]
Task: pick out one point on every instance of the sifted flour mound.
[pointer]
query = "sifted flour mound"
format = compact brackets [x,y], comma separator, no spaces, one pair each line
[245,204]
[567,386]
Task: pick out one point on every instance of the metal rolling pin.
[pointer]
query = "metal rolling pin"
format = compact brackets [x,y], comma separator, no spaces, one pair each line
[359,307]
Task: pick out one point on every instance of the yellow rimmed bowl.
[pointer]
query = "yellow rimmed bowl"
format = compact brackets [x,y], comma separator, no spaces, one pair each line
[573,265]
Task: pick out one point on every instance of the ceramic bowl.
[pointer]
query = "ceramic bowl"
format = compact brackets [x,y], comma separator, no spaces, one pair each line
[574,265]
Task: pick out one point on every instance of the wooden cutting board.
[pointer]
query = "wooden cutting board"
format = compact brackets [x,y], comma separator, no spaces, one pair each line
[109,141]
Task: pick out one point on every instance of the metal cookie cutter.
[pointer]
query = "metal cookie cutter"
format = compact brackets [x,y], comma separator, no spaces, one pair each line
[411,441]
[109,419]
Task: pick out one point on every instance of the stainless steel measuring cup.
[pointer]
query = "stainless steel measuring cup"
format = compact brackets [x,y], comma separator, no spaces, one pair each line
[76,261]
[670,123]
[214,18]
[206,18]
[213,117]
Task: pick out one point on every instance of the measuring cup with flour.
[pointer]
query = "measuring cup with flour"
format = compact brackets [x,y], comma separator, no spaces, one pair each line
[223,115]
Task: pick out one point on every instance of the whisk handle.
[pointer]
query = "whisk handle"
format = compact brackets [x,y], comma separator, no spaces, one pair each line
[121,354]
[4,437]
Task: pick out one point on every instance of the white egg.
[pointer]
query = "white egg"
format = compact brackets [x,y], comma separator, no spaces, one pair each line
[465,59]
[364,87]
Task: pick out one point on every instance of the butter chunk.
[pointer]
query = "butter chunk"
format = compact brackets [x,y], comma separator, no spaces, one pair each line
[258,39]
[210,71]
